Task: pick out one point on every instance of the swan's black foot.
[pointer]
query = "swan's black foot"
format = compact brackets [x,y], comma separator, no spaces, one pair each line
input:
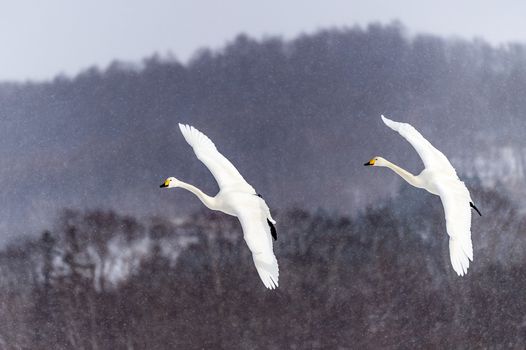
[474,207]
[272,230]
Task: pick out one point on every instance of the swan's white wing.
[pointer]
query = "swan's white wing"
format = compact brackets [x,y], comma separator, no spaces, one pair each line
[456,199]
[256,232]
[432,158]
[223,171]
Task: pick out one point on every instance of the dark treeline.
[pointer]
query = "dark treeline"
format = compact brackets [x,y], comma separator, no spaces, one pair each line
[99,280]
[296,116]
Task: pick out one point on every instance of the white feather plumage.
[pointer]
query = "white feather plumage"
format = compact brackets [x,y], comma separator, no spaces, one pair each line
[439,178]
[236,197]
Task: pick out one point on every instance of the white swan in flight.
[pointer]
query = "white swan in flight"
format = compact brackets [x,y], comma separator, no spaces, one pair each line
[439,178]
[237,198]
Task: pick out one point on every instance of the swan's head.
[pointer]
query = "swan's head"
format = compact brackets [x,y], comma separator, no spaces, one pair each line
[170,182]
[376,161]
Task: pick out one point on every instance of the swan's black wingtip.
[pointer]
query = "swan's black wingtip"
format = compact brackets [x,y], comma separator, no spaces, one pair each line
[474,207]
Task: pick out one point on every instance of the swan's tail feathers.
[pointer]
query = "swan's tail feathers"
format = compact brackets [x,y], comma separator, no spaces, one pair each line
[268,270]
[460,252]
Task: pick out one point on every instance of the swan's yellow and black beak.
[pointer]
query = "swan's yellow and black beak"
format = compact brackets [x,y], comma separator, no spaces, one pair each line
[371,162]
[165,184]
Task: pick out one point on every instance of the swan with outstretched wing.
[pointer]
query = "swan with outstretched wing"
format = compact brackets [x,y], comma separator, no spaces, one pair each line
[439,178]
[237,198]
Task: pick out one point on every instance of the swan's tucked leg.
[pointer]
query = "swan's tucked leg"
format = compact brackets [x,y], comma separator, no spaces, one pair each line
[474,207]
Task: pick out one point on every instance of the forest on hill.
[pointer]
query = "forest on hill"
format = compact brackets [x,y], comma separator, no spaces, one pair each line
[99,280]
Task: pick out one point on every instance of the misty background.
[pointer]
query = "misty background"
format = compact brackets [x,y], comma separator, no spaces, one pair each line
[297,117]
[95,256]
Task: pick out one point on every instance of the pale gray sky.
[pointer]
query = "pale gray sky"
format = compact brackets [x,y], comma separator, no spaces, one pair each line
[39,39]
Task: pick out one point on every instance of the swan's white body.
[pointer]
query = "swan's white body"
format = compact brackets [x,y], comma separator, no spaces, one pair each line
[439,178]
[237,198]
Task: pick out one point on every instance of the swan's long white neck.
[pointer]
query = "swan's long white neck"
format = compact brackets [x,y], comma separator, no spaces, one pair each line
[210,202]
[404,174]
